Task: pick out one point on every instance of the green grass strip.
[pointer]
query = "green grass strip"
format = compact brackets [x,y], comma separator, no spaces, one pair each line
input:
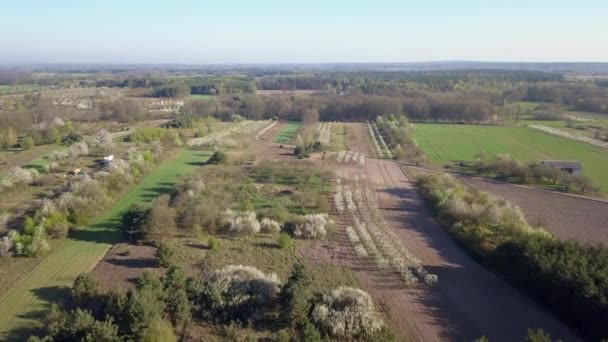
[24,304]
[287,134]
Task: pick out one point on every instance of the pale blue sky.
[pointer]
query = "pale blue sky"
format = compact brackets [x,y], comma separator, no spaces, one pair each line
[308,31]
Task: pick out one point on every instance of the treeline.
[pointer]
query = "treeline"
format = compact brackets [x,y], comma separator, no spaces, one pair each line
[568,277]
[581,96]
[354,107]
[183,86]
[386,83]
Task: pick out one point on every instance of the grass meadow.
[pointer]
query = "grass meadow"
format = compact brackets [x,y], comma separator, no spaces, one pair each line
[454,143]
[50,280]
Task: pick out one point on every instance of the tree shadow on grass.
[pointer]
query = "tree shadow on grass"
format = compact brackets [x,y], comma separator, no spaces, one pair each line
[266,244]
[49,295]
[198,245]
[134,262]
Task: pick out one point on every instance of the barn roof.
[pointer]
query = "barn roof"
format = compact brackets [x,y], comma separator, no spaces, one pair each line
[566,164]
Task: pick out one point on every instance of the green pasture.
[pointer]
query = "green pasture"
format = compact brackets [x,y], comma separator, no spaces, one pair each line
[454,143]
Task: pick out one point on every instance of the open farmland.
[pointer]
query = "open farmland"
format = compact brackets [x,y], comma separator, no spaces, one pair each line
[456,307]
[49,281]
[453,143]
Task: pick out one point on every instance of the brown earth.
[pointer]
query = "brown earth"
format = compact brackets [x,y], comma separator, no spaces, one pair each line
[568,217]
[358,138]
[123,265]
[469,301]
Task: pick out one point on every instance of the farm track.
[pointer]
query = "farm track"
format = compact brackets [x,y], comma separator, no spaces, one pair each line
[568,217]
[469,301]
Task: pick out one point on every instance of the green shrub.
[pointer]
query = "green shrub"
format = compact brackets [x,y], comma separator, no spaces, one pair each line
[213,244]
[284,241]
[165,255]
[295,297]
[27,143]
[218,157]
[135,222]
[159,330]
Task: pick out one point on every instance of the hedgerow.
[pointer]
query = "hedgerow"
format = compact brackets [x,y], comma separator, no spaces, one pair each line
[569,277]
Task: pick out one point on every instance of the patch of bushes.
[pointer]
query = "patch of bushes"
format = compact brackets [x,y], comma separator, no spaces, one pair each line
[302,152]
[135,222]
[218,157]
[569,277]
[234,294]
[17,178]
[508,169]
[347,313]
[284,241]
[312,226]
[148,135]
[275,193]
[138,314]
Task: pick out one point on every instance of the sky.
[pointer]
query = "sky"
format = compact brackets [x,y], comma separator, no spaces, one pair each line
[304,31]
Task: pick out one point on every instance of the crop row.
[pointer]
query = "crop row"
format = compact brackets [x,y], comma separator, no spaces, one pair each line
[350,157]
[381,148]
[220,138]
[371,237]
[324,130]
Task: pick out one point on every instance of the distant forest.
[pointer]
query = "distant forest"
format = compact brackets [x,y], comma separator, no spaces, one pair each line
[472,95]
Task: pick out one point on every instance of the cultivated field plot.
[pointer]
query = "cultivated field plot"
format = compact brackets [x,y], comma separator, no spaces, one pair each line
[50,280]
[380,148]
[568,217]
[454,143]
[29,158]
[468,301]
[287,134]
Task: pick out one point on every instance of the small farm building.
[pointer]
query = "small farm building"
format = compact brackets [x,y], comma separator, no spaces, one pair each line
[571,167]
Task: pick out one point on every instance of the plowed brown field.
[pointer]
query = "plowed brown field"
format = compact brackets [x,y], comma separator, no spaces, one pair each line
[568,217]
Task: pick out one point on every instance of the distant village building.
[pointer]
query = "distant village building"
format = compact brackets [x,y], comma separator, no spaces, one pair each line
[571,167]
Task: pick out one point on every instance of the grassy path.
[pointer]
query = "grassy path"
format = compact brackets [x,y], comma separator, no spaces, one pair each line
[49,281]
[287,134]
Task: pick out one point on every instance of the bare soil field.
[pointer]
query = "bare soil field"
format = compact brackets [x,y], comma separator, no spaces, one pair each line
[123,265]
[568,217]
[358,138]
[265,148]
[469,301]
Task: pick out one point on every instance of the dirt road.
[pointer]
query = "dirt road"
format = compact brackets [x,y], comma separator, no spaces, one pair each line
[469,300]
